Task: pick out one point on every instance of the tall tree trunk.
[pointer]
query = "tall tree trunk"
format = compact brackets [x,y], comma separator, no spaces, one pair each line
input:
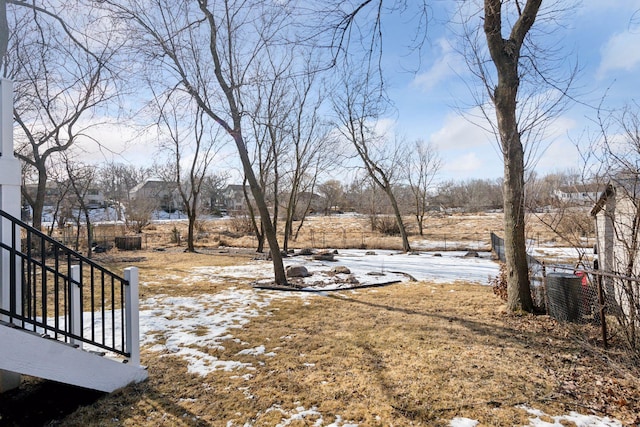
[258,229]
[87,219]
[518,287]
[505,54]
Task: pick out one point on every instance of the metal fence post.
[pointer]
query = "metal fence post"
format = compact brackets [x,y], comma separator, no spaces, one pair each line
[132,315]
[603,320]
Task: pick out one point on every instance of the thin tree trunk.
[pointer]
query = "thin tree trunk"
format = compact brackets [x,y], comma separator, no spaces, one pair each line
[38,202]
[403,232]
[191,231]
[265,218]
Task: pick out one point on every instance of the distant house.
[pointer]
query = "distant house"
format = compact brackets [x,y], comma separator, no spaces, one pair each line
[163,192]
[578,194]
[93,197]
[315,203]
[233,198]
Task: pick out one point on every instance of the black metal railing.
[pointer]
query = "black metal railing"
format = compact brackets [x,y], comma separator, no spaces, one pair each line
[58,293]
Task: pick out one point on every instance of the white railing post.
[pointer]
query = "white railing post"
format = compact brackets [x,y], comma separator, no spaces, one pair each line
[75,312]
[132,315]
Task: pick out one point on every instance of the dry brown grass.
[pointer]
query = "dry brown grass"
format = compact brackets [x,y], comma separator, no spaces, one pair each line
[464,230]
[408,354]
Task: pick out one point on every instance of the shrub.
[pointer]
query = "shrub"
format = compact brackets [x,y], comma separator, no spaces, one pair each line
[499,282]
[241,225]
[175,235]
[386,225]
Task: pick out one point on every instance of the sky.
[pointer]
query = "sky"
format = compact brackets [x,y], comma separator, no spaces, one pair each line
[174,325]
[431,95]
[604,39]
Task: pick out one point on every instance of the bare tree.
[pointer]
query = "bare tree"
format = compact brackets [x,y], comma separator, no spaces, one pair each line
[117,180]
[216,73]
[333,193]
[81,177]
[522,91]
[269,133]
[58,86]
[423,164]
[192,145]
[212,187]
[357,109]
[311,152]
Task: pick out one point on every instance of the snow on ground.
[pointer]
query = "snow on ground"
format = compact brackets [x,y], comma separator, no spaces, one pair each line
[439,267]
[194,327]
[559,255]
[369,267]
[573,417]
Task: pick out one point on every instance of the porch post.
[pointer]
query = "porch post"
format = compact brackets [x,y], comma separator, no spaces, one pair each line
[10,203]
[132,315]
[9,183]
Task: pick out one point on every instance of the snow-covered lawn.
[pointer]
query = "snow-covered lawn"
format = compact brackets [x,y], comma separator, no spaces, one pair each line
[193,327]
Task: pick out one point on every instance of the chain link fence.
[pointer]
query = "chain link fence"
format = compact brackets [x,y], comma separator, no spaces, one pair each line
[607,301]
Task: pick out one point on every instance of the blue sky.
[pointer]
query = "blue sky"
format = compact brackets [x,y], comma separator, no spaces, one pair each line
[604,37]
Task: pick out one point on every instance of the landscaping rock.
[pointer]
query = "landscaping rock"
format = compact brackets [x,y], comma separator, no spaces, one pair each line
[471,254]
[297,271]
[341,269]
[324,256]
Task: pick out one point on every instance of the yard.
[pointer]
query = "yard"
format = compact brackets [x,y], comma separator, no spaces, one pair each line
[439,351]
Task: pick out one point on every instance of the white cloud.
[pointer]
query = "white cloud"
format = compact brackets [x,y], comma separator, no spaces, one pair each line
[464,166]
[119,141]
[559,156]
[620,53]
[459,133]
[448,64]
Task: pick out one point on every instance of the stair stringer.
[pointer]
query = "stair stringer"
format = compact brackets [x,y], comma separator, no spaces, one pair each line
[27,353]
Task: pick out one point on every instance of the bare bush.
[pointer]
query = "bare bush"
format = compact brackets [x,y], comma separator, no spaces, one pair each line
[575,223]
[386,225]
[241,225]
[499,282]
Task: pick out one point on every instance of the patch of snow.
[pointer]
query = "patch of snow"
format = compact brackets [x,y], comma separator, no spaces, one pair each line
[578,419]
[193,327]
[463,422]
[256,351]
[391,266]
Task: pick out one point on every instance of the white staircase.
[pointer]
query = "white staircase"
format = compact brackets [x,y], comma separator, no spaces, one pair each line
[27,353]
[47,290]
